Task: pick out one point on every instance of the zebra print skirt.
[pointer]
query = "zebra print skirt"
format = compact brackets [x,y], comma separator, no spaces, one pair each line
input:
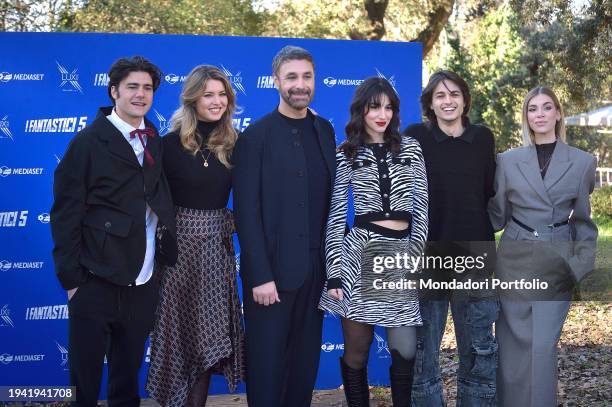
[386,312]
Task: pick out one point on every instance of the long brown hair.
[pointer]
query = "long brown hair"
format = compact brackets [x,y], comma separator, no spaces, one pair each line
[371,91]
[185,118]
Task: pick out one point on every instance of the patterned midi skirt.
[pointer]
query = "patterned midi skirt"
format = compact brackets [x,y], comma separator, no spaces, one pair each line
[199,323]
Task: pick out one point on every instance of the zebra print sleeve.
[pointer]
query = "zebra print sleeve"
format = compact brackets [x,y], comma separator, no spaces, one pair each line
[334,232]
[420,201]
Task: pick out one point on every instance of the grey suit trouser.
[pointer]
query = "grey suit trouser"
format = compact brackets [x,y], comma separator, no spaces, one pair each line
[527,333]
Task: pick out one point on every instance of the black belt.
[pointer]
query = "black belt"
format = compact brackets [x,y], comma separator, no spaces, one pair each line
[535,232]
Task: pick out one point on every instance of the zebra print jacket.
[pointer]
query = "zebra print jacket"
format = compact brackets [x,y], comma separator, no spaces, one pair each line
[384,187]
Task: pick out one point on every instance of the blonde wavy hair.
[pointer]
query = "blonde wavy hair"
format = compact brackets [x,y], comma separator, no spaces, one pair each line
[185,118]
[528,136]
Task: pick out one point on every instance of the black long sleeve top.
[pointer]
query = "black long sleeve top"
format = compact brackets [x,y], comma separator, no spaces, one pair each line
[191,183]
[460,174]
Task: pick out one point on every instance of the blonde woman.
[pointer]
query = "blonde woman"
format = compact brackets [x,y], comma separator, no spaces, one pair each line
[199,328]
[542,202]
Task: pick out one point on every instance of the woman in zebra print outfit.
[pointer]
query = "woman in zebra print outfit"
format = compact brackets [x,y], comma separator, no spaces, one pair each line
[386,174]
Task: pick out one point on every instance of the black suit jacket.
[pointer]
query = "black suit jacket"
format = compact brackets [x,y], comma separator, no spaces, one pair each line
[270,185]
[98,215]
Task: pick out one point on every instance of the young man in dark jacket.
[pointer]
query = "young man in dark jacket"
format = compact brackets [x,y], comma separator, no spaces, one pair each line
[111,201]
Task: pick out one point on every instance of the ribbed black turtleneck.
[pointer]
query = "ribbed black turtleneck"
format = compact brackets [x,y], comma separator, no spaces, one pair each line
[193,185]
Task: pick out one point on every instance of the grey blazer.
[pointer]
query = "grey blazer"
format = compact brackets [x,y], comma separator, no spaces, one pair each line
[520,192]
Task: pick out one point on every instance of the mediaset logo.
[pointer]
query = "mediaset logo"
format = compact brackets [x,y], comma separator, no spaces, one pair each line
[164,125]
[330,347]
[70,79]
[265,82]
[13,219]
[7,358]
[330,82]
[5,317]
[6,171]
[5,131]
[46,312]
[7,76]
[20,265]
[56,125]
[172,78]
[235,79]
[44,217]
[5,265]
[101,79]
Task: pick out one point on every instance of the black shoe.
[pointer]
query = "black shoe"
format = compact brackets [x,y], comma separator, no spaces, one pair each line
[356,387]
[401,385]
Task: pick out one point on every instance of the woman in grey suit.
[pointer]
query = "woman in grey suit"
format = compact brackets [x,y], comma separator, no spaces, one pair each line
[542,201]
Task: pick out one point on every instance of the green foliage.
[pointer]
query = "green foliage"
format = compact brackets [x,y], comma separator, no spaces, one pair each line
[488,55]
[504,48]
[213,17]
[339,18]
[588,139]
[601,202]
[569,50]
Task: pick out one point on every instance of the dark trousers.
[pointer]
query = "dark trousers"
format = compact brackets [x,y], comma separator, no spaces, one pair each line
[111,320]
[283,343]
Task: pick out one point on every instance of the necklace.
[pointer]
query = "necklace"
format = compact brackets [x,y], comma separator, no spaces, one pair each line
[205,159]
[545,166]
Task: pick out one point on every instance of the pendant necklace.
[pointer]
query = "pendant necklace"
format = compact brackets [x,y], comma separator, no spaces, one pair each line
[205,159]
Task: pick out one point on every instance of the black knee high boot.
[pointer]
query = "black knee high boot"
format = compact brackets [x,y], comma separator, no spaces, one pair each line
[355,385]
[401,374]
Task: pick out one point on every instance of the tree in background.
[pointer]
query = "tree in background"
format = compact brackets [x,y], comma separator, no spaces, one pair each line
[502,47]
[505,48]
[391,20]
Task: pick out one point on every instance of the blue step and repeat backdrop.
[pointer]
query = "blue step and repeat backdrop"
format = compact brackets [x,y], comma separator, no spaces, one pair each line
[51,85]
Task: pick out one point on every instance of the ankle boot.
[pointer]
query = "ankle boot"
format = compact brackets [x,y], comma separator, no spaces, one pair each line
[401,384]
[355,385]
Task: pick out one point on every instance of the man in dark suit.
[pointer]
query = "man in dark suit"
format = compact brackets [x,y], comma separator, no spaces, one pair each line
[110,197]
[284,166]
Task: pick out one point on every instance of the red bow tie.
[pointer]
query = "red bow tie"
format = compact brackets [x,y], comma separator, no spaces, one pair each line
[144,132]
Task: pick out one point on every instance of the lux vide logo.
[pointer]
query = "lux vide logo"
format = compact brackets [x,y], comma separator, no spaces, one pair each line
[164,125]
[235,79]
[69,78]
[391,79]
[381,345]
[64,354]
[5,317]
[4,128]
